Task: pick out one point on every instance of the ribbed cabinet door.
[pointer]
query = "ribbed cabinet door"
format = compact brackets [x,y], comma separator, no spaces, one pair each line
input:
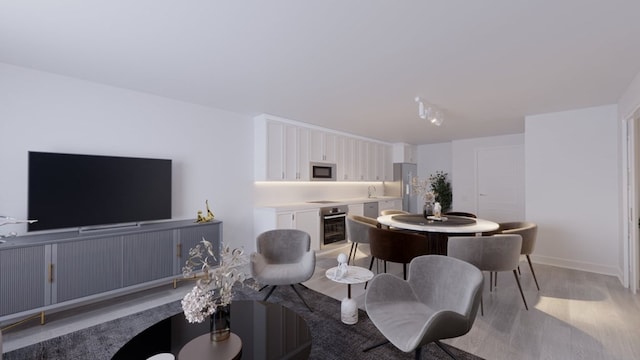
[147,257]
[23,274]
[88,267]
[189,237]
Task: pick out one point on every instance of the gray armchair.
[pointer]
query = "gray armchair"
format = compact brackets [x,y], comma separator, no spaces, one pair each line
[358,231]
[283,257]
[489,253]
[439,301]
[528,231]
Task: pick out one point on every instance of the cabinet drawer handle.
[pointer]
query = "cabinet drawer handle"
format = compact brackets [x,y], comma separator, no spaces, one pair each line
[51,273]
[179,250]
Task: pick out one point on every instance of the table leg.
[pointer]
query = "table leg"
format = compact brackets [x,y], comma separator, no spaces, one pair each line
[349,309]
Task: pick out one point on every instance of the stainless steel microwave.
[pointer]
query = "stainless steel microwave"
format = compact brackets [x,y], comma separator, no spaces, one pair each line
[322,172]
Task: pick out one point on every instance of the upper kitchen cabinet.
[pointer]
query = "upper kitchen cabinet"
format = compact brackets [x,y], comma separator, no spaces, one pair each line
[322,146]
[284,149]
[281,150]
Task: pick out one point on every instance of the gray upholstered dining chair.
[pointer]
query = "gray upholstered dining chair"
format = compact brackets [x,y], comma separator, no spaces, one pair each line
[358,232]
[283,257]
[396,246]
[489,253]
[528,231]
[429,306]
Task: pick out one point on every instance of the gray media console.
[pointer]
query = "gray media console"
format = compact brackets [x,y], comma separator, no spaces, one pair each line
[51,271]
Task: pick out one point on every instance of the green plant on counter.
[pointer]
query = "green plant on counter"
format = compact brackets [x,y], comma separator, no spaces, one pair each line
[442,188]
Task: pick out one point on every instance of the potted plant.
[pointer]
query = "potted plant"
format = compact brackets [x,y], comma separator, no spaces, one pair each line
[442,189]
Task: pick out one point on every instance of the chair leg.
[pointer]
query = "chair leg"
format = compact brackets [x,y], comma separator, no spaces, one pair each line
[404,271]
[515,273]
[441,346]
[352,252]
[481,306]
[270,292]
[418,353]
[375,346]
[370,267]
[264,287]
[301,298]
[533,273]
[490,281]
[495,279]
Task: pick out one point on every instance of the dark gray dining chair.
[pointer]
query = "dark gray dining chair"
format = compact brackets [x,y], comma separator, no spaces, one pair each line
[283,257]
[396,246]
[529,232]
[428,307]
[358,232]
[489,253]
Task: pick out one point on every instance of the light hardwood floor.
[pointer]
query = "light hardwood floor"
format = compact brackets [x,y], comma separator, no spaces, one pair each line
[576,315]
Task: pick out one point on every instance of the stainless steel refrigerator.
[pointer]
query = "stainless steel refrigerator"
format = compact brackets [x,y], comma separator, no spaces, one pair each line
[401,186]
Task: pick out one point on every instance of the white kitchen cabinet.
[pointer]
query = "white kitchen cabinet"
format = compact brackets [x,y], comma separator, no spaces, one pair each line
[351,159]
[394,204]
[307,220]
[322,146]
[284,148]
[387,162]
[356,209]
[275,164]
[296,153]
[281,150]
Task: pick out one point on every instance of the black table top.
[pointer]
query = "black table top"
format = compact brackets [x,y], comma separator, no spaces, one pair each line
[267,331]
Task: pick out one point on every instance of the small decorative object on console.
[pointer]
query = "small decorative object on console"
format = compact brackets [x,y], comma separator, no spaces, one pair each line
[211,296]
[4,220]
[205,219]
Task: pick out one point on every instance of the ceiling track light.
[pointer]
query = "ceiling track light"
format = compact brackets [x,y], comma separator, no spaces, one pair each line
[429,112]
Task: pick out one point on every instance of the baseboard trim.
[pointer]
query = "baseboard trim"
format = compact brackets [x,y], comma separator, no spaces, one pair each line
[579,265]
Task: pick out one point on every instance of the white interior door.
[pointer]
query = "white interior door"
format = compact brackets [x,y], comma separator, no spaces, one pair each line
[500,183]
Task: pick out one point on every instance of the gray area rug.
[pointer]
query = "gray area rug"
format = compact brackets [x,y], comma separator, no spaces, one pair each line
[331,339]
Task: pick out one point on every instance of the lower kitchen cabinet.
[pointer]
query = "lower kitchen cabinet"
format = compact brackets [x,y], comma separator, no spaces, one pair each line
[307,220]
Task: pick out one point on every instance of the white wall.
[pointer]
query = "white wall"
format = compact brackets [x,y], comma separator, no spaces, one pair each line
[212,150]
[463,170]
[572,188]
[434,157]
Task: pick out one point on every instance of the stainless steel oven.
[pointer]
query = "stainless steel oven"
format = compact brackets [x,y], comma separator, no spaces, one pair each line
[333,224]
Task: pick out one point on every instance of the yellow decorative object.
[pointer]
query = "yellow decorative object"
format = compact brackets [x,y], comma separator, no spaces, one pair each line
[204,219]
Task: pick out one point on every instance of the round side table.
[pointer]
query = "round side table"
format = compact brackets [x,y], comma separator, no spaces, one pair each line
[354,275]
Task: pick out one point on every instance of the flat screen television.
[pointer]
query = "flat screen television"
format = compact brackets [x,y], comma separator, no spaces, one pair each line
[73,190]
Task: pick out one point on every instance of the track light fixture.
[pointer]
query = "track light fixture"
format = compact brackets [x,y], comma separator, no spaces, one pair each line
[429,112]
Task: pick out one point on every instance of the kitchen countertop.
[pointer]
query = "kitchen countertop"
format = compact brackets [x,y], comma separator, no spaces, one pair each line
[307,205]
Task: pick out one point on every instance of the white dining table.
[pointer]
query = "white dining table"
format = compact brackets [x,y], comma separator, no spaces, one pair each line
[477,227]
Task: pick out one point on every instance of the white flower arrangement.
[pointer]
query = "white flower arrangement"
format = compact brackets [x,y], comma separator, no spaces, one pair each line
[423,188]
[215,286]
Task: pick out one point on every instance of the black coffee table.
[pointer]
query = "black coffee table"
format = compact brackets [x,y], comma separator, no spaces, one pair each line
[267,331]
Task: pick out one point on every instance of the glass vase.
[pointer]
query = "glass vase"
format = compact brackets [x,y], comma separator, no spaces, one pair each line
[220,323]
[427,210]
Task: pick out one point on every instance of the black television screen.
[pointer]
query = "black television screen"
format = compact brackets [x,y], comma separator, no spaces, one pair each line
[70,190]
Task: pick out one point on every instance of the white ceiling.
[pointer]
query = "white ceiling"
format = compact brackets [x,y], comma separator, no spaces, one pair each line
[350,65]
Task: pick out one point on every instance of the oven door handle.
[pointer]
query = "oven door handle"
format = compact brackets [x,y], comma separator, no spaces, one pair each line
[336,216]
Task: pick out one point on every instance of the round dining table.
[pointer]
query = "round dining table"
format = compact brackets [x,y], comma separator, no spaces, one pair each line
[438,230]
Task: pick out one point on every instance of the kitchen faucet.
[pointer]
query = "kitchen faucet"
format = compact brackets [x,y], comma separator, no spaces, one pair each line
[371,190]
